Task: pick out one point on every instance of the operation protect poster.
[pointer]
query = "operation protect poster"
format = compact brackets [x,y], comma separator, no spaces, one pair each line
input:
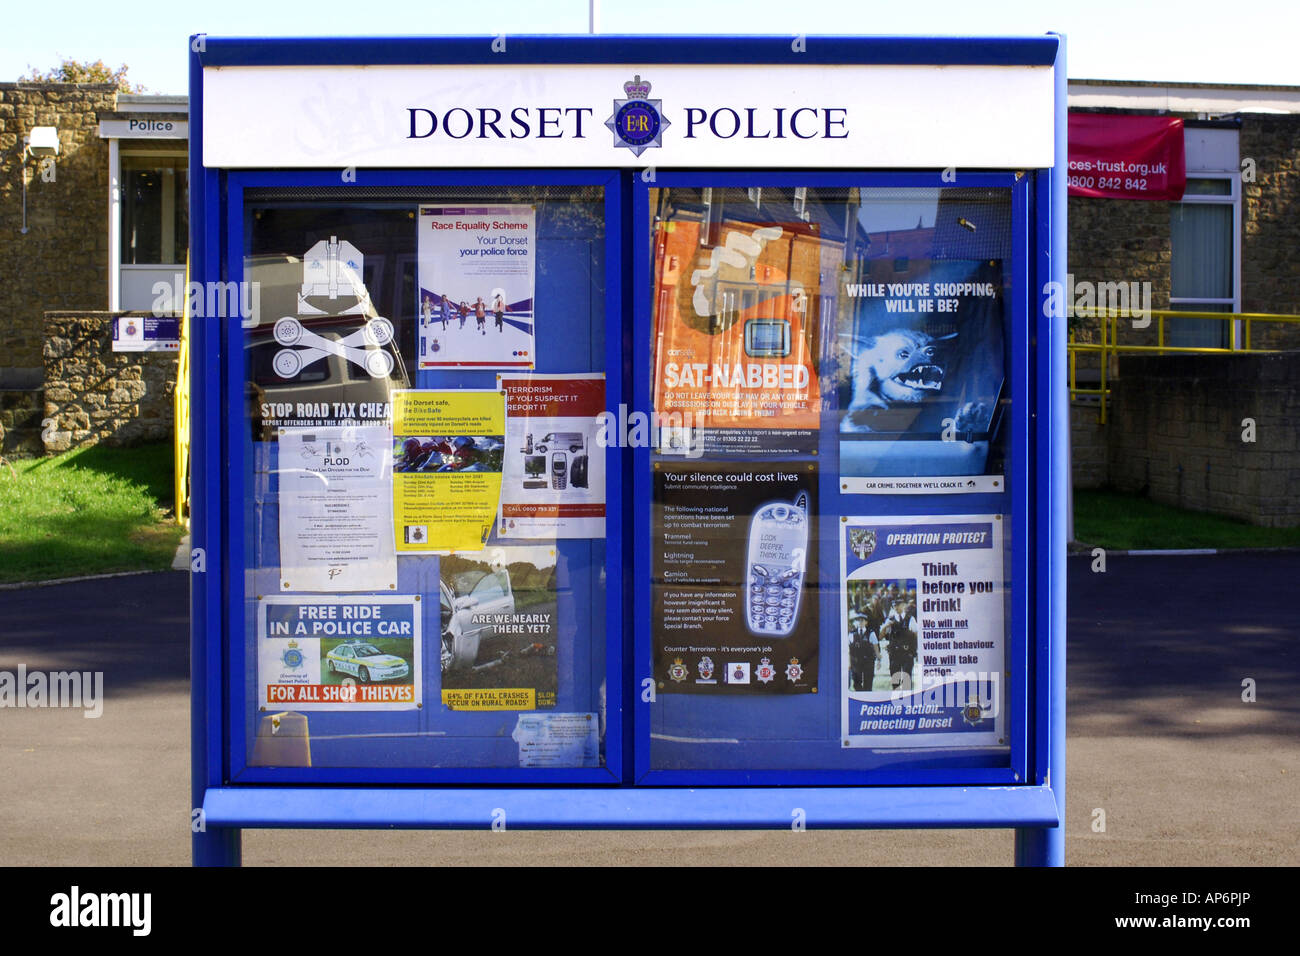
[920,378]
[499,629]
[733,606]
[735,324]
[476,286]
[336,510]
[339,652]
[553,478]
[448,448]
[923,634]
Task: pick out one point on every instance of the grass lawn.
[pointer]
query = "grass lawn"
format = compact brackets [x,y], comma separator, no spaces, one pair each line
[87,512]
[1122,522]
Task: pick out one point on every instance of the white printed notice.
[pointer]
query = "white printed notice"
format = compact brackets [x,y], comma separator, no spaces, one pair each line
[553,478]
[558,740]
[923,631]
[337,652]
[476,284]
[336,510]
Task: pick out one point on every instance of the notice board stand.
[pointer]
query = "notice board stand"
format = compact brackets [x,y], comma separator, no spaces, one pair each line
[686,189]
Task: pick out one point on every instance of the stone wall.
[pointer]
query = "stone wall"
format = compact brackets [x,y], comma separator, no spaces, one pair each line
[1270,247]
[1176,433]
[94,394]
[62,260]
[1089,452]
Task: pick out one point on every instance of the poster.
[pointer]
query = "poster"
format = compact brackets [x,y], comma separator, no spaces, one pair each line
[553,478]
[336,510]
[336,652]
[558,740]
[147,333]
[922,631]
[476,285]
[733,602]
[499,612]
[921,378]
[448,448]
[736,319]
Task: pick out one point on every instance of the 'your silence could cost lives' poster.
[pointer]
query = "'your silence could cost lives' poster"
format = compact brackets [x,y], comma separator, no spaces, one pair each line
[448,448]
[922,631]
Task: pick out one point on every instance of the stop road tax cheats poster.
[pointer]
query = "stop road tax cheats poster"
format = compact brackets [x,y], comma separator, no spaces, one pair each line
[336,652]
[922,631]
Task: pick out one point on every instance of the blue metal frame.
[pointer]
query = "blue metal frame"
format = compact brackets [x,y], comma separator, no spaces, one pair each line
[237,769]
[1035,806]
[968,767]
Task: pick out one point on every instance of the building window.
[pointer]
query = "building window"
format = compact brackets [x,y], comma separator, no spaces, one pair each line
[1204,259]
[153,225]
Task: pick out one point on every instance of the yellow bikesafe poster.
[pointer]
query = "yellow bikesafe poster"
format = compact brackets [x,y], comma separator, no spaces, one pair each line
[447,453]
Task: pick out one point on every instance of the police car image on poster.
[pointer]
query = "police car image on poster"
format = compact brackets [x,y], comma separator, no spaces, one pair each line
[922,631]
[734,606]
[499,627]
[355,652]
[336,509]
[476,285]
[553,478]
[921,377]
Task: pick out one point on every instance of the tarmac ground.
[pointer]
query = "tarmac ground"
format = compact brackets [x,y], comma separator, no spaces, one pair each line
[1162,744]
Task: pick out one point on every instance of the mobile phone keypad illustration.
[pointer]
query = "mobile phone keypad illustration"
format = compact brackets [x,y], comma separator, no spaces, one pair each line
[778,546]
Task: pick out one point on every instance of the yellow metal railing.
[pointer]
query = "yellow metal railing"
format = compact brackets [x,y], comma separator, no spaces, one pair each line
[1240,324]
[181,420]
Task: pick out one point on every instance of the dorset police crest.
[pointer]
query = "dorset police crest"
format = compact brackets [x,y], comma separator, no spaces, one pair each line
[293,658]
[636,122]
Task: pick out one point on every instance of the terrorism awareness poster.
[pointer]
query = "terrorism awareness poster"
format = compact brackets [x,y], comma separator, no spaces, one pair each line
[476,284]
[336,510]
[553,478]
[499,629]
[733,609]
[447,449]
[735,323]
[339,652]
[921,377]
[923,631]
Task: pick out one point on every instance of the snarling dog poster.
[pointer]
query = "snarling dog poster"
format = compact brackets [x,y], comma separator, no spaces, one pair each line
[921,375]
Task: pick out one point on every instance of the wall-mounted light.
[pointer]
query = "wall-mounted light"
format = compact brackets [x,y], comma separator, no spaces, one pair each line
[41,143]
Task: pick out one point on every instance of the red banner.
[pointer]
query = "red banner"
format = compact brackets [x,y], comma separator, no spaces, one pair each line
[1117,156]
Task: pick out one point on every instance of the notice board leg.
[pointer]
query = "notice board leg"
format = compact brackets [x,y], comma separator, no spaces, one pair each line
[1040,846]
[218,846]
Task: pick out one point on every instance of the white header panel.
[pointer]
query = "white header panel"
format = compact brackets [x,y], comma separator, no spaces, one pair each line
[730,116]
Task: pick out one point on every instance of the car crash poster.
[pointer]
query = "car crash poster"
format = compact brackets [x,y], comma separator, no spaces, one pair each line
[920,378]
[447,451]
[355,652]
[736,314]
[733,602]
[336,510]
[498,612]
[476,285]
[553,477]
[922,631]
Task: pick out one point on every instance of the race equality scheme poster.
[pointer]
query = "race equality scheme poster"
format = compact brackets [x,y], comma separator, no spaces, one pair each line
[499,629]
[920,379]
[336,510]
[922,631]
[735,321]
[476,285]
[733,607]
[336,652]
[447,452]
[553,478]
